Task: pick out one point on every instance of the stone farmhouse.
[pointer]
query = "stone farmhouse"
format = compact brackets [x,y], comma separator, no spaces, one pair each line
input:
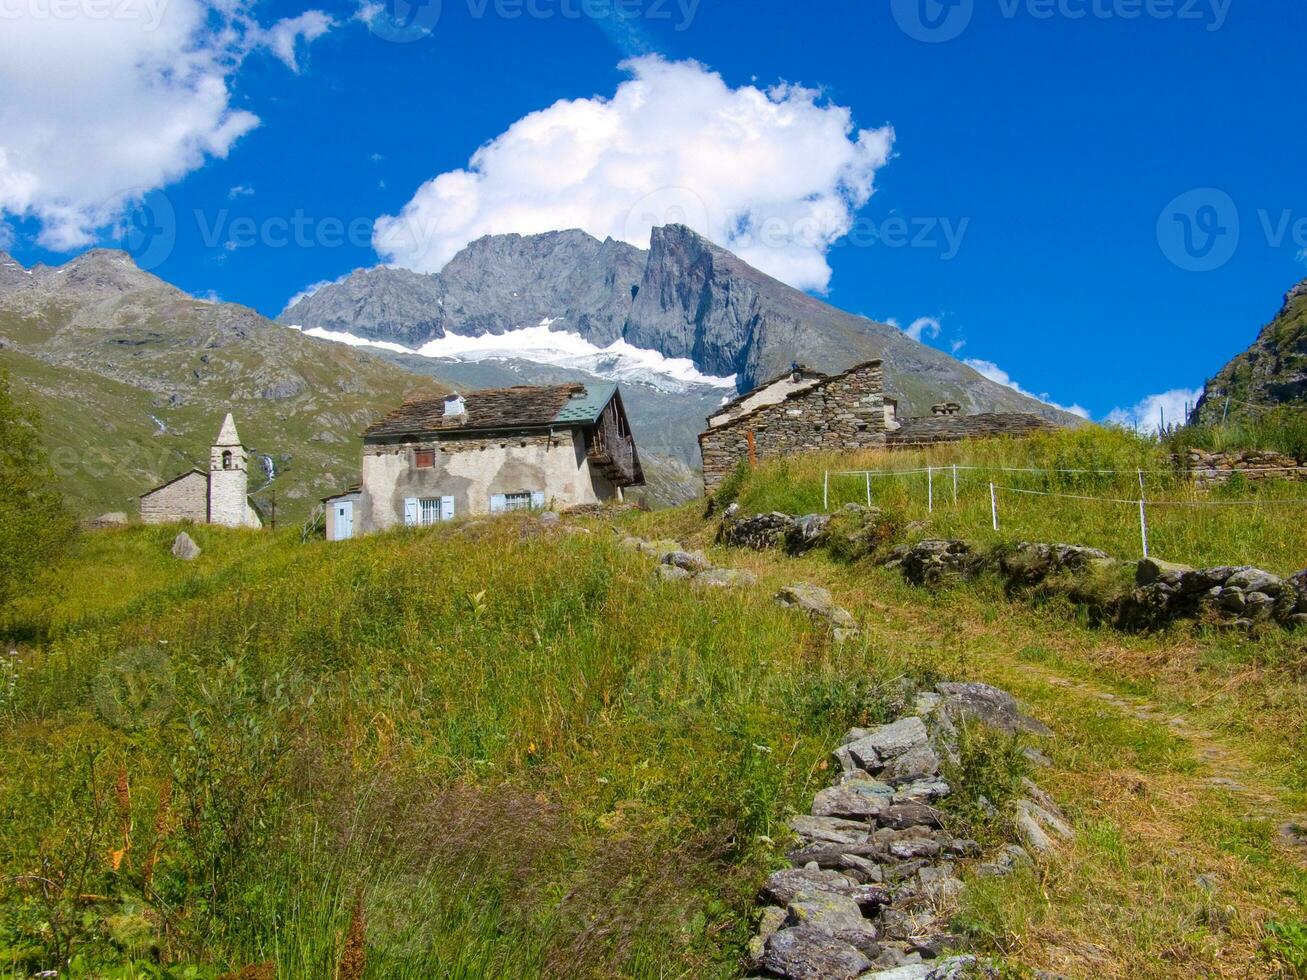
[220,496]
[489,451]
[807,411]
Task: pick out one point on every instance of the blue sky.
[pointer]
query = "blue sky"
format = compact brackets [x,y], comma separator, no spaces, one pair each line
[1102,198]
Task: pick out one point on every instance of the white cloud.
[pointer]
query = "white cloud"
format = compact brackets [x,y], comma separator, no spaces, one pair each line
[6,236]
[923,328]
[239,191]
[97,108]
[996,374]
[1148,414]
[774,175]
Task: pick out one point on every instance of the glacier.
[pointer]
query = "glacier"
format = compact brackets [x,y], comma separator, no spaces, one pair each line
[542,344]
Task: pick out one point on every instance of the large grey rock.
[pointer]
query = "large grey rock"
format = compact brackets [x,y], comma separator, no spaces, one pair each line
[808,532]
[857,799]
[725,578]
[988,706]
[1255,580]
[769,923]
[810,954]
[817,603]
[783,886]
[872,751]
[690,561]
[915,765]
[831,829]
[185,548]
[828,912]
[903,815]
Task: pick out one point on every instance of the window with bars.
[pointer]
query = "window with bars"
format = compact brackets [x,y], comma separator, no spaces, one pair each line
[518,501]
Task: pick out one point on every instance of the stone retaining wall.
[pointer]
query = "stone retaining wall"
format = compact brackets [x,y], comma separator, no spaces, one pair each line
[1216,469]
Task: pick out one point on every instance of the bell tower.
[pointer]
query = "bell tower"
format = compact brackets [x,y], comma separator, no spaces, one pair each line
[229,480]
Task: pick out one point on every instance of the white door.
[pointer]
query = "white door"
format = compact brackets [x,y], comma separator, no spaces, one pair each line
[344,520]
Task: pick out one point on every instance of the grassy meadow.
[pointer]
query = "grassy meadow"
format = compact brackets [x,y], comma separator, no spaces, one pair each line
[1184,524]
[482,750]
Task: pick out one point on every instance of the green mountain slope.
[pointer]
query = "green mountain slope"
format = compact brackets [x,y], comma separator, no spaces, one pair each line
[132,377]
[1272,372]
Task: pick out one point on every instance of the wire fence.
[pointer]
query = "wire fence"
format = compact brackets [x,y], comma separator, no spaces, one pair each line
[950,476]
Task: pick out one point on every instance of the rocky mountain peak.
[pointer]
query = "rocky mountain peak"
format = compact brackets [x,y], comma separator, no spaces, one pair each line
[107,269]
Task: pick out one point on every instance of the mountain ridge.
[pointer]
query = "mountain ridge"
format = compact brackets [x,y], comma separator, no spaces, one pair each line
[691,299]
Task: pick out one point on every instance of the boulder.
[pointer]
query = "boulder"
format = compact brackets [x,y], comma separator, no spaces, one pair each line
[986,705]
[810,954]
[873,750]
[690,561]
[807,532]
[185,548]
[725,578]
[1152,570]
[790,884]
[828,912]
[1299,585]
[113,519]
[915,765]
[769,923]
[673,573]
[901,816]
[830,829]
[1254,580]
[818,604]
[856,799]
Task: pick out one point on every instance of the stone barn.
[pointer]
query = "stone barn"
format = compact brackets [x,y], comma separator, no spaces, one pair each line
[804,411]
[489,451]
[220,496]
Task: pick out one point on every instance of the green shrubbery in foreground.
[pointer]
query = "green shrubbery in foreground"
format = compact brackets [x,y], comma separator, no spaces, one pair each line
[494,756]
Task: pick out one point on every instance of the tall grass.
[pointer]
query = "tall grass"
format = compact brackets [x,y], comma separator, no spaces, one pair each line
[1184,524]
[489,754]
[1281,429]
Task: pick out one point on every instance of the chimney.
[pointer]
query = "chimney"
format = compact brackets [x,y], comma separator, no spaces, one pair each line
[946,409]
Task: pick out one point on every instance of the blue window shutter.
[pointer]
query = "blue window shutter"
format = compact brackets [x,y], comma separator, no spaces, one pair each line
[538,499]
[411,511]
[498,503]
[446,508]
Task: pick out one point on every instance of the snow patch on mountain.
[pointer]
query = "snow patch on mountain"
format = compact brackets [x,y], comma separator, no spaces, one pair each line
[541,344]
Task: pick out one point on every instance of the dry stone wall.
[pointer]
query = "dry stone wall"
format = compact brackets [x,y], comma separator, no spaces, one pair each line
[841,413]
[185,499]
[1216,469]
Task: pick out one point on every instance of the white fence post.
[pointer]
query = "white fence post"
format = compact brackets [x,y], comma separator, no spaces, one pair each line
[1143,525]
[825,493]
[993,505]
[868,488]
[930,489]
[955,484]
